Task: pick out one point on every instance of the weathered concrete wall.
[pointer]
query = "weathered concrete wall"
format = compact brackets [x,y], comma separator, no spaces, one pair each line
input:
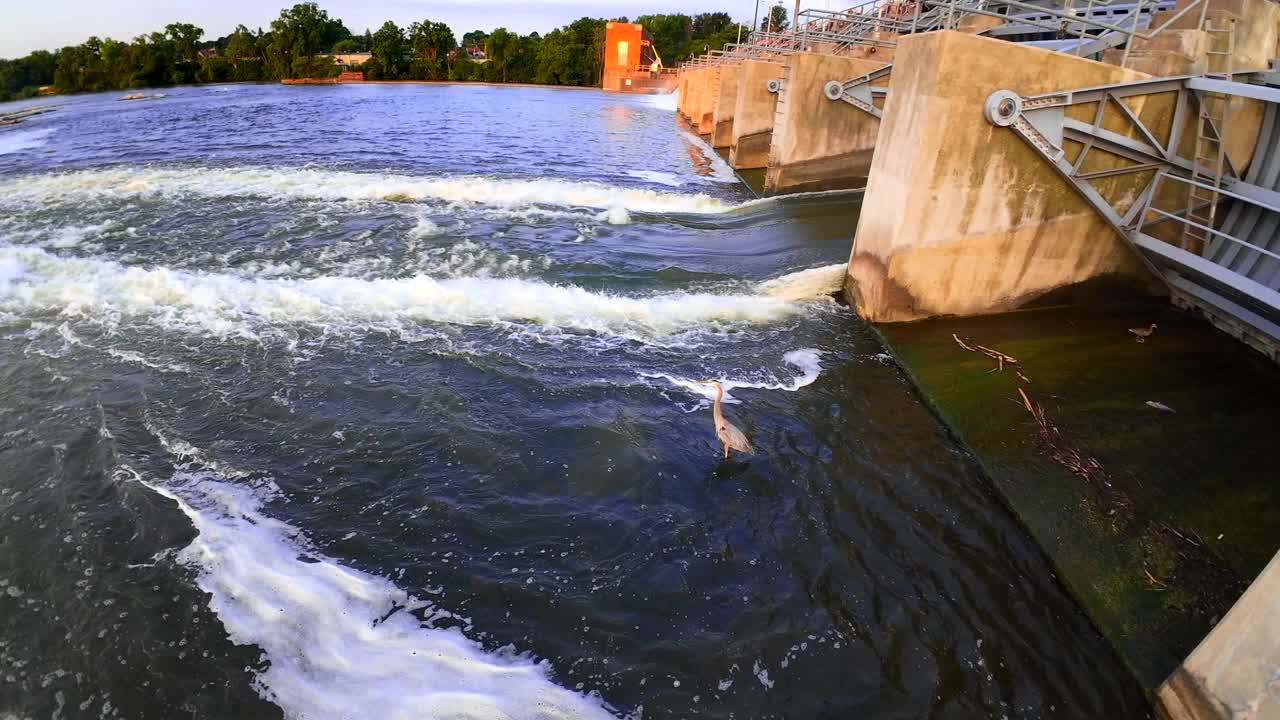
[819,144]
[753,114]
[1172,52]
[726,105]
[682,94]
[687,93]
[685,89]
[1234,674]
[693,94]
[693,84]
[705,117]
[961,217]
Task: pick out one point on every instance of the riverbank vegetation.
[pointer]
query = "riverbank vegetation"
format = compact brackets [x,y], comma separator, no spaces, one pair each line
[304,41]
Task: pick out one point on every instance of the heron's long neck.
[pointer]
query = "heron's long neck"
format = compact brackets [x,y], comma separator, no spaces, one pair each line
[716,409]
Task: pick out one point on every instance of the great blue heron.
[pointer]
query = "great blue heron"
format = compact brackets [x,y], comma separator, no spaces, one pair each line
[729,435]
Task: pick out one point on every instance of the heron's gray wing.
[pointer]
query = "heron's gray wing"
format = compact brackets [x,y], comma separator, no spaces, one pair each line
[734,437]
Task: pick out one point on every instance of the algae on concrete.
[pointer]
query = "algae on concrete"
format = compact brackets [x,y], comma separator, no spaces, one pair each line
[1185,510]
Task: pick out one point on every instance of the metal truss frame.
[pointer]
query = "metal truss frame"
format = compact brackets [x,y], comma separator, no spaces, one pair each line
[1061,16]
[1042,122]
[859,92]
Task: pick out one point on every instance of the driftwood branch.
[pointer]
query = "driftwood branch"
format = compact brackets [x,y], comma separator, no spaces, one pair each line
[1078,463]
[999,357]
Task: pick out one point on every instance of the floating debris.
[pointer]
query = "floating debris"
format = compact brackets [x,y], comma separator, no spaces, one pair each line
[996,355]
[1078,463]
[18,116]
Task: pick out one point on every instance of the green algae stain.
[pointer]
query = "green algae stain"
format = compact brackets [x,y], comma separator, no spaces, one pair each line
[1186,512]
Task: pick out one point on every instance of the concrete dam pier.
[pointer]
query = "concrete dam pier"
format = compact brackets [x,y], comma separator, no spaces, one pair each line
[1041,172]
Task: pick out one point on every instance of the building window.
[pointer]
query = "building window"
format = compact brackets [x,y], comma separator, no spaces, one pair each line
[623,47]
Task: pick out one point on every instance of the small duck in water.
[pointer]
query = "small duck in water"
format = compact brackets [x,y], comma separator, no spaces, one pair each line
[1143,333]
[728,433]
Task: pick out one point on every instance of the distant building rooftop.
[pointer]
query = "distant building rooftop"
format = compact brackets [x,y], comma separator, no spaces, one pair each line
[349,59]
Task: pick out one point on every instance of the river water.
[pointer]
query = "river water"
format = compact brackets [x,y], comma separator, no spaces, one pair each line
[378,402]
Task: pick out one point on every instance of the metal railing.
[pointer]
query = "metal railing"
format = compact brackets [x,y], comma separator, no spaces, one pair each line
[1094,25]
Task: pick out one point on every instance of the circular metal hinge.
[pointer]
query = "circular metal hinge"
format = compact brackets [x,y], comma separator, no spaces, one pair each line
[774,85]
[1002,108]
[834,89]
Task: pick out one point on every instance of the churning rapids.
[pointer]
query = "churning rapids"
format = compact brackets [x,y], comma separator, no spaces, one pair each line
[379,402]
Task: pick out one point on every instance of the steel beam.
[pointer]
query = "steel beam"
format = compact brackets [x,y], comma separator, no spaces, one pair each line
[858,91]
[1238,89]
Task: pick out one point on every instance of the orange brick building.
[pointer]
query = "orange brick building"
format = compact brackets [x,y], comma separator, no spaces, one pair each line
[631,64]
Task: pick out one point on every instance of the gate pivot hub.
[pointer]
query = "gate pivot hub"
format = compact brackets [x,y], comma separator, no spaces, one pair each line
[1002,108]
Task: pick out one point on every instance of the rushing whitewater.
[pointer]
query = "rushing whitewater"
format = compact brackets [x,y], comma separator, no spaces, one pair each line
[319,184]
[14,141]
[342,643]
[381,402]
[223,305]
[806,360]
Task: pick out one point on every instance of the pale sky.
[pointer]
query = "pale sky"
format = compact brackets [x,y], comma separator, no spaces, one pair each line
[27,26]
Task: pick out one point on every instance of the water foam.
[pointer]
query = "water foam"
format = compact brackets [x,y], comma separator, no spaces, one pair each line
[721,171]
[472,259]
[660,101]
[806,284]
[224,305]
[10,271]
[807,360]
[334,185]
[655,176]
[18,140]
[342,643]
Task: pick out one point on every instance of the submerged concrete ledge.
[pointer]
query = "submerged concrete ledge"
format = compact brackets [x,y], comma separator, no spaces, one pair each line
[1182,510]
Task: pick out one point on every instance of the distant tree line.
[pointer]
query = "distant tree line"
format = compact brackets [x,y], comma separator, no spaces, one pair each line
[300,42]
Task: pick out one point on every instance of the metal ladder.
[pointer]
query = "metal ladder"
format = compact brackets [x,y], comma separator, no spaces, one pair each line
[1210,161]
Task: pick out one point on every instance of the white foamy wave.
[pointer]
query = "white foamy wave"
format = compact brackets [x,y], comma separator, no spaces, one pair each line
[615,216]
[660,101]
[15,141]
[472,259]
[316,184]
[661,178]
[807,360]
[721,171]
[10,271]
[228,305]
[15,229]
[342,643]
[423,228]
[806,284]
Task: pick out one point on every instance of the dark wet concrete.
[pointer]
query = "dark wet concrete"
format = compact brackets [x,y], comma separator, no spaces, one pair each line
[1182,508]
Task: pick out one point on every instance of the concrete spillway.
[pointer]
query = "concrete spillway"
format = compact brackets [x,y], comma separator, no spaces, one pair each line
[1086,172]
